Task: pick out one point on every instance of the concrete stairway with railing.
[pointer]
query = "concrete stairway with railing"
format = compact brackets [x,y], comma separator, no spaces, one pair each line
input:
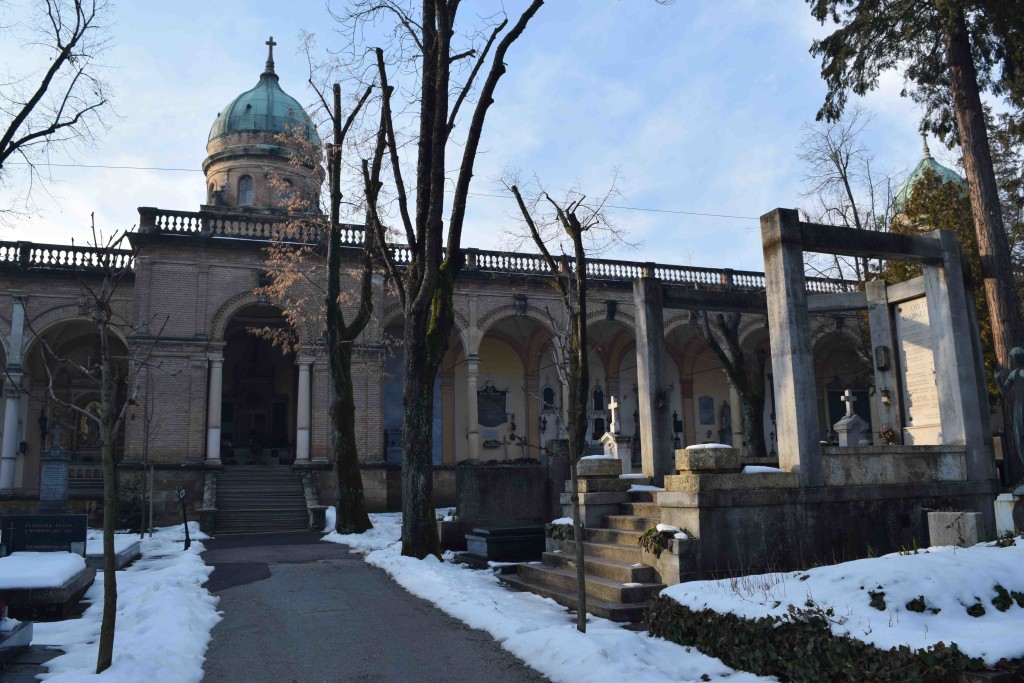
[619,585]
[260,498]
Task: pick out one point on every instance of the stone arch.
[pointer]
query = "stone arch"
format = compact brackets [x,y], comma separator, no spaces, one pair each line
[393,317]
[495,315]
[220,319]
[620,317]
[47,320]
[686,318]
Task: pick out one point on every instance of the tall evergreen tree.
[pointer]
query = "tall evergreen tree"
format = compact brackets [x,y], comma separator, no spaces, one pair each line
[951,51]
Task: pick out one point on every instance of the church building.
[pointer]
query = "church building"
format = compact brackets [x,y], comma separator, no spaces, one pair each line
[217,403]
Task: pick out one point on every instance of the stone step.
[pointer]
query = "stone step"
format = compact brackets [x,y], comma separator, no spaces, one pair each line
[611,551]
[597,586]
[642,509]
[623,572]
[623,537]
[255,493]
[631,522]
[282,505]
[642,496]
[612,611]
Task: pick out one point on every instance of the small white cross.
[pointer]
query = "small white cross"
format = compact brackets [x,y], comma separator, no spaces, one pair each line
[848,398]
[613,407]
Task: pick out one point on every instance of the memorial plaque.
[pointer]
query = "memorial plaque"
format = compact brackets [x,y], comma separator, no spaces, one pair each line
[490,404]
[921,421]
[44,533]
[53,480]
[706,410]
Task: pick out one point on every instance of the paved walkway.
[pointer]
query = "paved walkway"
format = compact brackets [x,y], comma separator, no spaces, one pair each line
[298,610]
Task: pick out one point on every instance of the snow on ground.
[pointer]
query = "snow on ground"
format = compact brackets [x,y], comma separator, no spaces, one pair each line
[94,542]
[645,487]
[164,619]
[950,580]
[760,469]
[537,630]
[39,570]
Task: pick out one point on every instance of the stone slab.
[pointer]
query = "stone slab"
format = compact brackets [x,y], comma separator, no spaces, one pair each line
[961,529]
[507,545]
[876,465]
[697,482]
[45,533]
[598,467]
[48,604]
[702,459]
[14,641]
[1004,505]
[122,558]
[602,498]
[592,485]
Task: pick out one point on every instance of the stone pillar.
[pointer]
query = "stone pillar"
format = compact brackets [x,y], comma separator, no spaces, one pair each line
[963,419]
[652,393]
[796,402]
[12,396]
[883,359]
[9,454]
[213,400]
[736,419]
[302,413]
[472,417]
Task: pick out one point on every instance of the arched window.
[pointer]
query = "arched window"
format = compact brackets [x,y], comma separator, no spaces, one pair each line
[548,396]
[245,190]
[598,399]
[287,189]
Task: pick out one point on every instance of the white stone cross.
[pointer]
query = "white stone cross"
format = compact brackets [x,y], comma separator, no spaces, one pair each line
[613,407]
[848,398]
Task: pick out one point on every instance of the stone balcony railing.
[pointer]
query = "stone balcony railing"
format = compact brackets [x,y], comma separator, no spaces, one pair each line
[30,256]
[209,224]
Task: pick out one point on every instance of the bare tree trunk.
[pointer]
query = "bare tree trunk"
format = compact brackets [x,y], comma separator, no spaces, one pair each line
[351,517]
[105,653]
[996,271]
[423,352]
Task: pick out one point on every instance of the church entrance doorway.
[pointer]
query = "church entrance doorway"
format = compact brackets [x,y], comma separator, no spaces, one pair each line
[258,409]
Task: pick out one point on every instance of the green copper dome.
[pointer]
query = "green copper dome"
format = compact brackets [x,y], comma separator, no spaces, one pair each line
[266,107]
[947,175]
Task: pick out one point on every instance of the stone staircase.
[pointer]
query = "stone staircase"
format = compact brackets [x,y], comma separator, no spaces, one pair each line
[260,498]
[619,586]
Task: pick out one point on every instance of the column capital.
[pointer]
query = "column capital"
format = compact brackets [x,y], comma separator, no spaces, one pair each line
[215,358]
[304,360]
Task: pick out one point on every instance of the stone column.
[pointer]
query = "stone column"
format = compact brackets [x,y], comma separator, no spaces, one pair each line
[796,402]
[213,400]
[963,419]
[883,359]
[9,454]
[652,393]
[12,396]
[472,416]
[302,413]
[736,418]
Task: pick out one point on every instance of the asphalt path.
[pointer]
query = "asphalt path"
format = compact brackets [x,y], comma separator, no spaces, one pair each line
[300,610]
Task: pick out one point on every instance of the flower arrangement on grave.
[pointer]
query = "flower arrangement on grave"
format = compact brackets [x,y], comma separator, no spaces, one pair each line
[886,433]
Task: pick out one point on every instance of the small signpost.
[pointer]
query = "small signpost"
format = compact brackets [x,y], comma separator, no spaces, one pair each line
[184,517]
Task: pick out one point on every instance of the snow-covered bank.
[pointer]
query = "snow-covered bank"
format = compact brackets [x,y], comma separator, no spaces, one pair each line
[537,630]
[917,599]
[164,619]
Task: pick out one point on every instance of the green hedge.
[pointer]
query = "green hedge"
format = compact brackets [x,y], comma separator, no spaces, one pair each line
[800,646]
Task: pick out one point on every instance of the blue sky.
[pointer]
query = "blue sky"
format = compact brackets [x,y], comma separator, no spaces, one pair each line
[700,105]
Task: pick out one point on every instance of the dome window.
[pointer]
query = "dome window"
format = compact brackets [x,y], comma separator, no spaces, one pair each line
[287,189]
[245,190]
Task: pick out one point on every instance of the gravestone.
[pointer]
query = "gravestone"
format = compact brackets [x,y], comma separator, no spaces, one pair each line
[851,427]
[53,481]
[44,533]
[922,425]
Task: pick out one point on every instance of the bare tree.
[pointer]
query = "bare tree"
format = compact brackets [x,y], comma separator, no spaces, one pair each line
[570,225]
[308,282]
[842,186]
[745,371]
[452,71]
[108,371]
[64,102]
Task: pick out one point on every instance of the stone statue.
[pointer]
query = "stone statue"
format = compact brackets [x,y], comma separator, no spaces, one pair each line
[1015,383]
